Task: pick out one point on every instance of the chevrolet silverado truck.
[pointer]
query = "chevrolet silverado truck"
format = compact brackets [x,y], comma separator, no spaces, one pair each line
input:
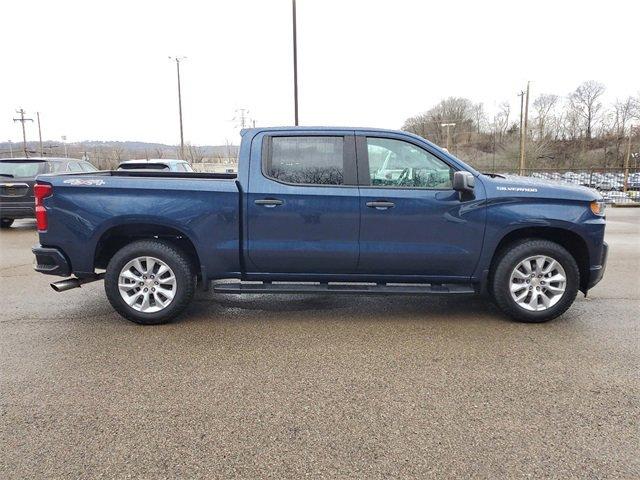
[322,210]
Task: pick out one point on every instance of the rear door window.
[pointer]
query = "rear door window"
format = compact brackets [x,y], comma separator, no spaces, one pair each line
[307,160]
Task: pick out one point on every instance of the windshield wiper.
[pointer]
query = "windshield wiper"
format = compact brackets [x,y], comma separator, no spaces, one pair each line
[8,175]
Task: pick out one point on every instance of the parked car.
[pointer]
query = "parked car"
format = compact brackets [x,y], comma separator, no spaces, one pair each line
[158,164]
[17,177]
[613,196]
[308,213]
[609,185]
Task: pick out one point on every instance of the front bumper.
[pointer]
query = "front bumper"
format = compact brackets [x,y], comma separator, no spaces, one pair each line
[597,272]
[51,261]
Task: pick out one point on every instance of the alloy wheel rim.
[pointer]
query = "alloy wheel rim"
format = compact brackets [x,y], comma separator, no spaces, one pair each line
[537,283]
[147,284]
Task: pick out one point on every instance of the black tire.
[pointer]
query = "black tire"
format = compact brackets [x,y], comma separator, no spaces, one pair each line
[166,252]
[507,261]
[6,222]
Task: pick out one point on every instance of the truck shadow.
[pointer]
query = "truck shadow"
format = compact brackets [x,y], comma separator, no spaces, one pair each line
[279,307]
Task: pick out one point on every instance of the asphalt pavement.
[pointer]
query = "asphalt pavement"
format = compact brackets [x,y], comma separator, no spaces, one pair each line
[319,386]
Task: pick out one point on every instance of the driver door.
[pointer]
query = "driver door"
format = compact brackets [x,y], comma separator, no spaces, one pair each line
[412,221]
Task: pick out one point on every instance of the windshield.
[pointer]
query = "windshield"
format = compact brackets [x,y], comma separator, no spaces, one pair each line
[22,169]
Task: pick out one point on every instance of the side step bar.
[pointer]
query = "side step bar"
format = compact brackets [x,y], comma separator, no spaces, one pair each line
[344,288]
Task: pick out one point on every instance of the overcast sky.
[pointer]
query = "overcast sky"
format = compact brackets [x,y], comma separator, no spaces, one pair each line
[99,70]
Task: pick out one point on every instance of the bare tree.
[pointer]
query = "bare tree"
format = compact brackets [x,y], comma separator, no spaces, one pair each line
[479,116]
[195,154]
[456,110]
[543,106]
[584,101]
[503,118]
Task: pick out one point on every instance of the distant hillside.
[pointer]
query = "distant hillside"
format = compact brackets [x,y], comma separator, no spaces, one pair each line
[120,149]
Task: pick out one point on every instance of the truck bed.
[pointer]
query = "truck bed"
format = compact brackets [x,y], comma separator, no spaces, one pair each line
[87,208]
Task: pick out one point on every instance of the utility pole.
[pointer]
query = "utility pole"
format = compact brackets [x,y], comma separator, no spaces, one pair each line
[448,133]
[10,149]
[40,135]
[24,133]
[626,160]
[178,60]
[64,140]
[295,62]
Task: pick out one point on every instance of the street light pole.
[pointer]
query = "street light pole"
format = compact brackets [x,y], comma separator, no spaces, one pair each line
[448,134]
[295,61]
[524,102]
[178,60]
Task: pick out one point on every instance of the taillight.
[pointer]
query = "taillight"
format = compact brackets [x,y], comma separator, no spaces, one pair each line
[42,191]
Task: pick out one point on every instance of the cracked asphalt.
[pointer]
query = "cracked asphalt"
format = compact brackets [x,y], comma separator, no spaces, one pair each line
[319,386]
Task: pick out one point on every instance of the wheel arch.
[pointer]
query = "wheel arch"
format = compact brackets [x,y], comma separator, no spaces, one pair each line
[117,236]
[568,239]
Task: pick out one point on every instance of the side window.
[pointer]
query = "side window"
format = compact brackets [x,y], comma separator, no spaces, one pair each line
[395,163]
[74,167]
[87,167]
[305,160]
[57,167]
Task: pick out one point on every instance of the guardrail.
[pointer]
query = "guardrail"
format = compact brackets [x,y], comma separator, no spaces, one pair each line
[617,185]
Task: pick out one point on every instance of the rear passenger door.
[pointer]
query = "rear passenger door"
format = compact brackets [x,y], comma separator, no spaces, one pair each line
[303,211]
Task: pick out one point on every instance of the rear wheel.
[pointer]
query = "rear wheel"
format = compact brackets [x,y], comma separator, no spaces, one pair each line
[535,280]
[6,222]
[149,282]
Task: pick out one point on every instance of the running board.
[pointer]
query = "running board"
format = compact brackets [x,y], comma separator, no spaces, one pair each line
[344,288]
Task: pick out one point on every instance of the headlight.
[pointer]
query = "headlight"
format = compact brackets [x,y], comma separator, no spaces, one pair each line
[597,207]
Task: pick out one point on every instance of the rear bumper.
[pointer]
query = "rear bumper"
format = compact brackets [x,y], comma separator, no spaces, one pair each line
[596,272]
[17,210]
[51,261]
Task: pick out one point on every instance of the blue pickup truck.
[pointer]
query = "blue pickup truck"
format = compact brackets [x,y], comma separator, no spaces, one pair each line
[332,210]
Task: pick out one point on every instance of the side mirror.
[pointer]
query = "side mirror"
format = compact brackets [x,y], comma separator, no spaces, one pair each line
[463,182]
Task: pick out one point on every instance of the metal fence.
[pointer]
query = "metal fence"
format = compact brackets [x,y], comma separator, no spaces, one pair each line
[616,185]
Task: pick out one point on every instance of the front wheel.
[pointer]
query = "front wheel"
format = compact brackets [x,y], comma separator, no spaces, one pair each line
[535,280]
[149,282]
[6,222]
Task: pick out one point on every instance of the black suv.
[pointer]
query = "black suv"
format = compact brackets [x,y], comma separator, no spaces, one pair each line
[17,176]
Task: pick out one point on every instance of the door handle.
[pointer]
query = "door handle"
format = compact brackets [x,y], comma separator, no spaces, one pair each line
[269,202]
[381,205]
